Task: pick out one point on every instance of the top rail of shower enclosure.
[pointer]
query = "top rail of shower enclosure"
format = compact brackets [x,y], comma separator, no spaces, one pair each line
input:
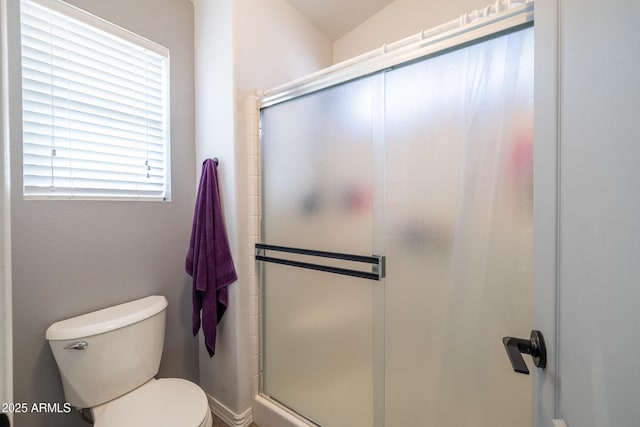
[499,17]
[375,261]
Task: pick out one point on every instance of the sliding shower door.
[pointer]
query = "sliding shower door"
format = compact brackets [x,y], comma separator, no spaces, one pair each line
[428,164]
[458,148]
[318,195]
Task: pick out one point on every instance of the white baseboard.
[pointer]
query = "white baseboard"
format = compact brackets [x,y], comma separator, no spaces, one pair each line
[559,423]
[228,416]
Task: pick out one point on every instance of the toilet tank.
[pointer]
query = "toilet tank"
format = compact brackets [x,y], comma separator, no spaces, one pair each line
[106,353]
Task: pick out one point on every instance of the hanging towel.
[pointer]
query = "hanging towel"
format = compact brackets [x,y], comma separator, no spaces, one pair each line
[209,259]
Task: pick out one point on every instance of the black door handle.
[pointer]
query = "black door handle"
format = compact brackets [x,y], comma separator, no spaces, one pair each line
[516,347]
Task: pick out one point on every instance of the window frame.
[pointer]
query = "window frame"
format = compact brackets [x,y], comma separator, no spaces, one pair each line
[101,25]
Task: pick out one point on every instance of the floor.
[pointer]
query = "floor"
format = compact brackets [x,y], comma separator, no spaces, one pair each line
[217,422]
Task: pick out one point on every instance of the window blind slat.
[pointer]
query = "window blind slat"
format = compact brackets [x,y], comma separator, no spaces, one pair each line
[111,163]
[95,181]
[40,39]
[95,110]
[82,34]
[95,106]
[55,133]
[88,85]
[52,50]
[127,76]
[125,125]
[126,132]
[120,182]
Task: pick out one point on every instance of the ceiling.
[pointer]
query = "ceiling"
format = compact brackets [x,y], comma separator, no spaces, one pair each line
[335,18]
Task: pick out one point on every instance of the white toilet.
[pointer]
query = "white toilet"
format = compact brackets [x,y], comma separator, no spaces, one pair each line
[108,359]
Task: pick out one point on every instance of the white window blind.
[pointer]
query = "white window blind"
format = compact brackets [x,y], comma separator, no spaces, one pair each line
[95,107]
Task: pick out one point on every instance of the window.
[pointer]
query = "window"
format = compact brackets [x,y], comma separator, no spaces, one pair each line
[95,107]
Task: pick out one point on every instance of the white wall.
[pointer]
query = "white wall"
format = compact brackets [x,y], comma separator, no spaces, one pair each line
[398,20]
[215,133]
[5,227]
[545,205]
[275,44]
[70,257]
[241,46]
[599,98]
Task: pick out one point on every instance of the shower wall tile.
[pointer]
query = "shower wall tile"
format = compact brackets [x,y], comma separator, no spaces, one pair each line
[254,325]
[254,362]
[254,347]
[254,305]
[255,385]
[255,203]
[254,225]
[254,232]
[254,165]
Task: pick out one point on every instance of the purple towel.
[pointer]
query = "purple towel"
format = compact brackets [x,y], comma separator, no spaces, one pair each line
[209,259]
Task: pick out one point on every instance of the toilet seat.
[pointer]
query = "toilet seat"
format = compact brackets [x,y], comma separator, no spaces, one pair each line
[166,402]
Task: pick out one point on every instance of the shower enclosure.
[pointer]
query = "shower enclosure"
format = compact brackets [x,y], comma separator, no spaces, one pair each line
[397,240]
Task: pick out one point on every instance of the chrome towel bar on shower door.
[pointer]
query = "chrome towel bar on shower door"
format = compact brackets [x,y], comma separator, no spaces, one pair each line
[375,261]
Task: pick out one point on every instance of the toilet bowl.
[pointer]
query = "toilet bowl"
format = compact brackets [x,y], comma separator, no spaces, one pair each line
[108,359]
[163,402]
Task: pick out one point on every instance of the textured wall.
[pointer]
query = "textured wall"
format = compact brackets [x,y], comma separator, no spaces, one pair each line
[70,257]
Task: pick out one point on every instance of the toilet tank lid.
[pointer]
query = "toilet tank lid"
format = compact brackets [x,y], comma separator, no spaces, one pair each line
[107,319]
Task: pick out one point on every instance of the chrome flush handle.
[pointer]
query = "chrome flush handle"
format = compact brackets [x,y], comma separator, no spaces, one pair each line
[80,345]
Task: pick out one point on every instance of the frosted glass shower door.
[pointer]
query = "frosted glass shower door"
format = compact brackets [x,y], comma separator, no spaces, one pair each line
[458,235]
[430,164]
[318,327]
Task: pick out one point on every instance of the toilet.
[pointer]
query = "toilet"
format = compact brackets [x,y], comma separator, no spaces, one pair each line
[108,360]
